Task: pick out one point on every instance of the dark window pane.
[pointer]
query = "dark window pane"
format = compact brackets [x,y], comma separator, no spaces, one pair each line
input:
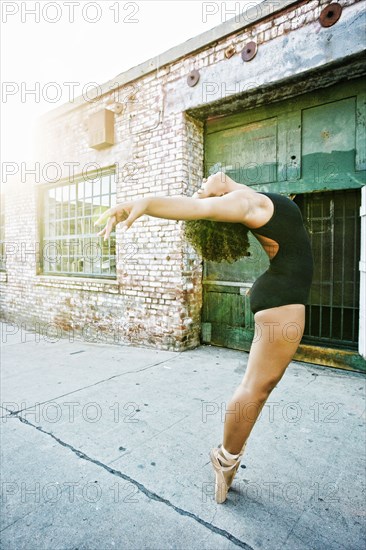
[105,185]
[88,188]
[333,223]
[73,193]
[96,187]
[65,193]
[113,184]
[87,208]
[97,201]
[80,190]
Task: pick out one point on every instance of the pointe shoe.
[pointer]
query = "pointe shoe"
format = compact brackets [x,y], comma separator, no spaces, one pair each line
[225,469]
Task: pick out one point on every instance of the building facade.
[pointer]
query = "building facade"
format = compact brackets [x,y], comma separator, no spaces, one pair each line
[275,97]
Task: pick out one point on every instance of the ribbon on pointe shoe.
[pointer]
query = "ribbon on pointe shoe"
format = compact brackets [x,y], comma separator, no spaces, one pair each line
[225,465]
[228,455]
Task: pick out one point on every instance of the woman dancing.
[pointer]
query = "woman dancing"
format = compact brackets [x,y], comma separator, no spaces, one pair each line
[218,218]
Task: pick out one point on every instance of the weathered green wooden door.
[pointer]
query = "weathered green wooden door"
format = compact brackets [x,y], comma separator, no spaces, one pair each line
[303,146]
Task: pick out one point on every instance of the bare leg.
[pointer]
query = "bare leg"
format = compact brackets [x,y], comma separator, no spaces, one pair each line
[278,332]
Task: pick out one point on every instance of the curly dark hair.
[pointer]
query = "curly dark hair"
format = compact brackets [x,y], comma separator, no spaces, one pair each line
[217,241]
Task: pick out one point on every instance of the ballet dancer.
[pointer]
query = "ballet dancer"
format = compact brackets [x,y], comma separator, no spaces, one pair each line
[218,217]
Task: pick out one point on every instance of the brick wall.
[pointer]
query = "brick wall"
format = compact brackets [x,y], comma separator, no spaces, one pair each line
[157,297]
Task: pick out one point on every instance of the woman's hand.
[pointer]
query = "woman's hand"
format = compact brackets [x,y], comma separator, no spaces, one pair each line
[213,186]
[199,194]
[126,212]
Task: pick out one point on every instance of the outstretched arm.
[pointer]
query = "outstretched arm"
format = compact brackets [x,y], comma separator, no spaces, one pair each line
[232,207]
[176,208]
[171,208]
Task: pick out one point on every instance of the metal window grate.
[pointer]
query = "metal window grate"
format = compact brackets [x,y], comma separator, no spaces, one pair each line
[70,245]
[333,222]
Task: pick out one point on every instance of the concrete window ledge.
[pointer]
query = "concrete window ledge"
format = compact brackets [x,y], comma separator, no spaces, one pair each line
[78,283]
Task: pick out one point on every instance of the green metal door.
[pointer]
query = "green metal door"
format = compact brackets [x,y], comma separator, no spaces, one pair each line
[309,146]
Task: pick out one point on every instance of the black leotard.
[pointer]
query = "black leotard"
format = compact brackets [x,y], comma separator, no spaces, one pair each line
[289,276]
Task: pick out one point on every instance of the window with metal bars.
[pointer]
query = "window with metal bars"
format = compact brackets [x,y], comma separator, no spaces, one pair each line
[69,241]
[332,219]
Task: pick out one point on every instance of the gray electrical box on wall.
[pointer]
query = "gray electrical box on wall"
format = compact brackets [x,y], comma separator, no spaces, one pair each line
[101,129]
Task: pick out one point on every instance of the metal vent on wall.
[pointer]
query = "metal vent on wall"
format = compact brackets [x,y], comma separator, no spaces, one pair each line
[101,129]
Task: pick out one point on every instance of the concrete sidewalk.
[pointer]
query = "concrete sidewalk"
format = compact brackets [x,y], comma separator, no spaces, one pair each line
[106,447]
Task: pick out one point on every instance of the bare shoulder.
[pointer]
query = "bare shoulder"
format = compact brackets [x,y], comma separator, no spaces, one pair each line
[260,210]
[235,207]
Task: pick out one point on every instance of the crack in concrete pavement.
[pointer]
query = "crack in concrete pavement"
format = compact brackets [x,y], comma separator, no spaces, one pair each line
[156,435]
[13,413]
[16,521]
[150,494]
